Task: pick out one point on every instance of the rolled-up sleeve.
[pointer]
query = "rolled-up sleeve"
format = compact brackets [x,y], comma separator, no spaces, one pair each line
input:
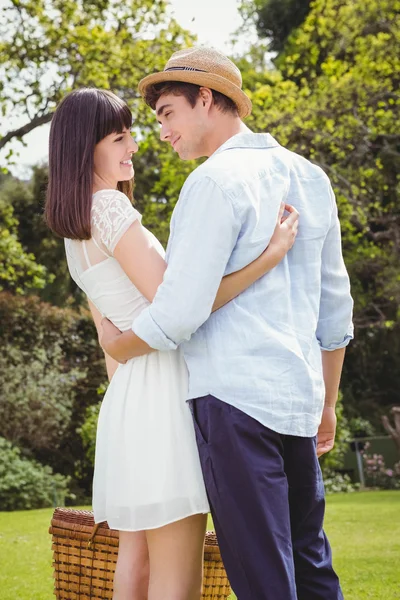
[204,234]
[335,326]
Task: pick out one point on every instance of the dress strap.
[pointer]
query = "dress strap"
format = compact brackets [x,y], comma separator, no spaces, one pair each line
[85,252]
[99,248]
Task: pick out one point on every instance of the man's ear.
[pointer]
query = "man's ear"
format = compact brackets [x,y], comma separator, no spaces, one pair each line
[206,96]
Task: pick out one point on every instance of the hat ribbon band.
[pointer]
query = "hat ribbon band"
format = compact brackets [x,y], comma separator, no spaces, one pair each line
[185,69]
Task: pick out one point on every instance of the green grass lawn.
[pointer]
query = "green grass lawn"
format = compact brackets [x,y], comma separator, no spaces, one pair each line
[364,530]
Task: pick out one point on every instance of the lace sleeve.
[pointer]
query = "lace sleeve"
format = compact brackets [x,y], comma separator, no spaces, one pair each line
[112,215]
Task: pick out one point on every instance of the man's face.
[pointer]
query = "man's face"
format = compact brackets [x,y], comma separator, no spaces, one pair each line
[183,126]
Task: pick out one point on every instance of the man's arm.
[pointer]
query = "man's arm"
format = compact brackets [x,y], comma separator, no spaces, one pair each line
[332,363]
[205,232]
[335,327]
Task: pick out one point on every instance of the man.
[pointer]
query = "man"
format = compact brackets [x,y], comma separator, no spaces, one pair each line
[264,370]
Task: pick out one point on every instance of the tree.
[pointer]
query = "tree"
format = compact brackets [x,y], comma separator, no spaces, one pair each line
[393,431]
[275,19]
[333,98]
[334,101]
[50,47]
[26,200]
[19,271]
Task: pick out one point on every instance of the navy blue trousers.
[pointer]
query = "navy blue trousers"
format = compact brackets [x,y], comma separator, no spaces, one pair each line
[267,500]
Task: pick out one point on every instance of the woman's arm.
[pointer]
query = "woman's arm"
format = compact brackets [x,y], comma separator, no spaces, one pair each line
[111,364]
[280,243]
[145,267]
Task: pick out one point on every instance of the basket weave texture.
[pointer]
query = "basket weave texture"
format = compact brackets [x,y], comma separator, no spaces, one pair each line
[84,569]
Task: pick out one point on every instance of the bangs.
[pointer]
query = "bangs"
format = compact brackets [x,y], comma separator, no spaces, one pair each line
[113,115]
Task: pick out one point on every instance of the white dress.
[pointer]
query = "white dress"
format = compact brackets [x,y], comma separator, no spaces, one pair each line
[147,468]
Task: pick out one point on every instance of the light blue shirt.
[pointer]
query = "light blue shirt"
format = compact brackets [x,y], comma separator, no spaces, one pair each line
[261,352]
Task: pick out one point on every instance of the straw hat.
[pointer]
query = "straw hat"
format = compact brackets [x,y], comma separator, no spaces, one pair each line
[205,67]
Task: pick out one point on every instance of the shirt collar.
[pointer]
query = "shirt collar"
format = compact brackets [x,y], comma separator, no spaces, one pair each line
[248,140]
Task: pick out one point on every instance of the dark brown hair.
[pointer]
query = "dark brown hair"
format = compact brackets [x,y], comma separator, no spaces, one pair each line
[190,91]
[82,119]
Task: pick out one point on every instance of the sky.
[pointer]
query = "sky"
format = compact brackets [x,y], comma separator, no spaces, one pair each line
[213,21]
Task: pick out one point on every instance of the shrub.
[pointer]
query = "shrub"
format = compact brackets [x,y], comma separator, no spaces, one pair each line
[338,482]
[376,473]
[36,396]
[360,427]
[88,432]
[26,484]
[63,341]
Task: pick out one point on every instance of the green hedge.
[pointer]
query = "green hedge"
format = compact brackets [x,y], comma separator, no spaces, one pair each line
[26,484]
[58,353]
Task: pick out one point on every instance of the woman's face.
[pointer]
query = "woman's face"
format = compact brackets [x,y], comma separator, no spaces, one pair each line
[112,159]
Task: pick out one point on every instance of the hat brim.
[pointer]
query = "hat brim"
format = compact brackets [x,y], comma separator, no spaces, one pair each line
[210,80]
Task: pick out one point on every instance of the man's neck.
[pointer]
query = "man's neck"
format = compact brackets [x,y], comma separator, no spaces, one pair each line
[224,130]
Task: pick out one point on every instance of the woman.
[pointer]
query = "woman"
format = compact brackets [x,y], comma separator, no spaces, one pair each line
[148,482]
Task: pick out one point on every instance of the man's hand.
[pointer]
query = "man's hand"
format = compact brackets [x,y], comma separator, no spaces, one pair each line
[326,431]
[108,338]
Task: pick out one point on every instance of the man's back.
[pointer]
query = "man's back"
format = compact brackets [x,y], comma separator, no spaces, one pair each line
[261,352]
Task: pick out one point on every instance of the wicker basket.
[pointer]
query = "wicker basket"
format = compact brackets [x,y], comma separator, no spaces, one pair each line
[84,559]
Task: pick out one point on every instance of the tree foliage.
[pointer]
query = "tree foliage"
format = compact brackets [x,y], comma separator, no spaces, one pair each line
[49,47]
[25,199]
[275,19]
[334,99]
[19,271]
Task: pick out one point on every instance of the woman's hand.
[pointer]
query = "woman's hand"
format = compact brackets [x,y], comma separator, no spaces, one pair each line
[109,334]
[122,346]
[285,232]
[280,243]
